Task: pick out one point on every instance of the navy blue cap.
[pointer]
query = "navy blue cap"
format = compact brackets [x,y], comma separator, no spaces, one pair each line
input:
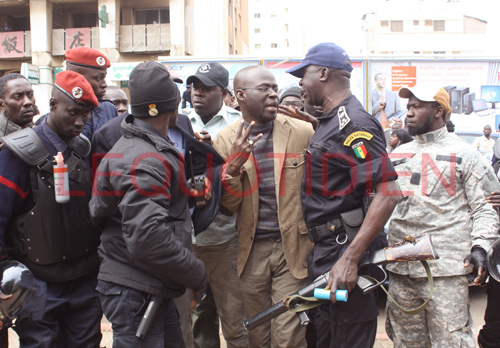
[324,54]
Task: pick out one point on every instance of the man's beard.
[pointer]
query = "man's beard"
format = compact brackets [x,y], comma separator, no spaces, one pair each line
[425,128]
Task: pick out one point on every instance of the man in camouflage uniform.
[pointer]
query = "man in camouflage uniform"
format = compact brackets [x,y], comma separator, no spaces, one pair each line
[442,181]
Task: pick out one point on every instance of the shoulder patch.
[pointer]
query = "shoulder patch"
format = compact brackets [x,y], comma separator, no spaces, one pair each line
[357,135]
[360,150]
[343,117]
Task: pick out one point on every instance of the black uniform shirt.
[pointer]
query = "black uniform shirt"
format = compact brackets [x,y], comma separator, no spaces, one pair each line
[346,155]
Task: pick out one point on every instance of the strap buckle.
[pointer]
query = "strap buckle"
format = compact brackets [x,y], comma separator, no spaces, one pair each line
[345,238]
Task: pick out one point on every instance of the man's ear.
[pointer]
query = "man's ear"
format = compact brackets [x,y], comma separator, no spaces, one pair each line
[240,95]
[324,74]
[53,104]
[439,112]
[225,91]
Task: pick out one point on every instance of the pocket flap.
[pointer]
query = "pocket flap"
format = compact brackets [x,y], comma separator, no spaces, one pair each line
[458,322]
[353,218]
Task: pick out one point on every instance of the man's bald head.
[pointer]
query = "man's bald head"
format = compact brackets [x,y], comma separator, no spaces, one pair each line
[117,97]
[245,76]
[257,93]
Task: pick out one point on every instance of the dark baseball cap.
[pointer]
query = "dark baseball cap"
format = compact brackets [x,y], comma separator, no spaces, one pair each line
[325,54]
[210,74]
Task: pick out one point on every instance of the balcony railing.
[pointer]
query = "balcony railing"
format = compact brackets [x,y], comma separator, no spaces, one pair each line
[65,39]
[133,38]
[15,44]
[143,38]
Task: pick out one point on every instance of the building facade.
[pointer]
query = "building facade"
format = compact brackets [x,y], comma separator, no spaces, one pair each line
[124,30]
[423,27]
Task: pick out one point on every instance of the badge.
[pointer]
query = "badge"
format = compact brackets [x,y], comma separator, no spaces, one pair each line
[153,111]
[360,150]
[77,92]
[357,135]
[100,61]
[204,68]
[343,117]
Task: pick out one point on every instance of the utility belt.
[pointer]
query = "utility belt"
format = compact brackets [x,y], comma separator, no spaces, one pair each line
[343,228]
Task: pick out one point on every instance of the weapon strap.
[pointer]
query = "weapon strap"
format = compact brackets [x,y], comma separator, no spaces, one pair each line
[311,302]
[426,303]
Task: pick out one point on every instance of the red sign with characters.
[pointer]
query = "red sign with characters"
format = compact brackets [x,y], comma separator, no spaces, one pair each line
[12,44]
[77,37]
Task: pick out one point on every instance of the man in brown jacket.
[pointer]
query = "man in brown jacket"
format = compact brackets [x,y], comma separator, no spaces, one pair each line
[265,154]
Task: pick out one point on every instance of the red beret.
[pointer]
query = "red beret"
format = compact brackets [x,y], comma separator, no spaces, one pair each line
[88,57]
[76,87]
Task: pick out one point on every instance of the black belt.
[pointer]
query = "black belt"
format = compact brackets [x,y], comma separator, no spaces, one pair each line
[343,228]
[332,228]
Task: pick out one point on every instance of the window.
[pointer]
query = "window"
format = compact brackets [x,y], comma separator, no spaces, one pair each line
[384,23]
[438,25]
[416,52]
[286,28]
[396,26]
[230,7]
[416,22]
[257,46]
[257,30]
[273,15]
[85,20]
[23,24]
[439,52]
[256,15]
[428,22]
[239,22]
[158,16]
[274,45]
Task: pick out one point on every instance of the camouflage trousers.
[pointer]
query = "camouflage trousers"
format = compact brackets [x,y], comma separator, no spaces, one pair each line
[445,323]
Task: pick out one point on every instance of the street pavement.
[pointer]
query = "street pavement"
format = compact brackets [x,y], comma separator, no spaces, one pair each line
[477,300]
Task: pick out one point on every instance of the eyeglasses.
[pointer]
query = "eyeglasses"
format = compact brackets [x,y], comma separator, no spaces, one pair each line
[295,103]
[264,90]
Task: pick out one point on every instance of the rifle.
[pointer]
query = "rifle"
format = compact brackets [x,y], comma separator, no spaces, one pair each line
[411,249]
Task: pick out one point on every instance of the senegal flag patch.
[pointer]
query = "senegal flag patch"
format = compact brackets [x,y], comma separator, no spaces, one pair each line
[360,150]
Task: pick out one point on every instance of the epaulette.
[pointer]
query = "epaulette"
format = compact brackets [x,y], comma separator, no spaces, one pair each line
[27,146]
[80,145]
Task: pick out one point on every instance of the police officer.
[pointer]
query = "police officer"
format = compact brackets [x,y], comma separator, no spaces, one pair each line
[353,146]
[57,242]
[146,239]
[93,65]
[17,108]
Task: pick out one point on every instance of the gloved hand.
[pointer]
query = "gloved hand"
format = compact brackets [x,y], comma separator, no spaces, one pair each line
[478,258]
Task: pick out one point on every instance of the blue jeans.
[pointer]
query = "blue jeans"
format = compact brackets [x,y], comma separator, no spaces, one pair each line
[124,307]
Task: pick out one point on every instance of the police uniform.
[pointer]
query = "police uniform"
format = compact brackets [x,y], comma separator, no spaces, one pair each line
[105,112]
[443,188]
[56,241]
[345,157]
[91,58]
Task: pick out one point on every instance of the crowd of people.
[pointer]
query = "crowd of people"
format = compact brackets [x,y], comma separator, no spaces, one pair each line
[173,223]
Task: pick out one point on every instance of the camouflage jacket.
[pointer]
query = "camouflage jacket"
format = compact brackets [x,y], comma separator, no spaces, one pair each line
[444,183]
